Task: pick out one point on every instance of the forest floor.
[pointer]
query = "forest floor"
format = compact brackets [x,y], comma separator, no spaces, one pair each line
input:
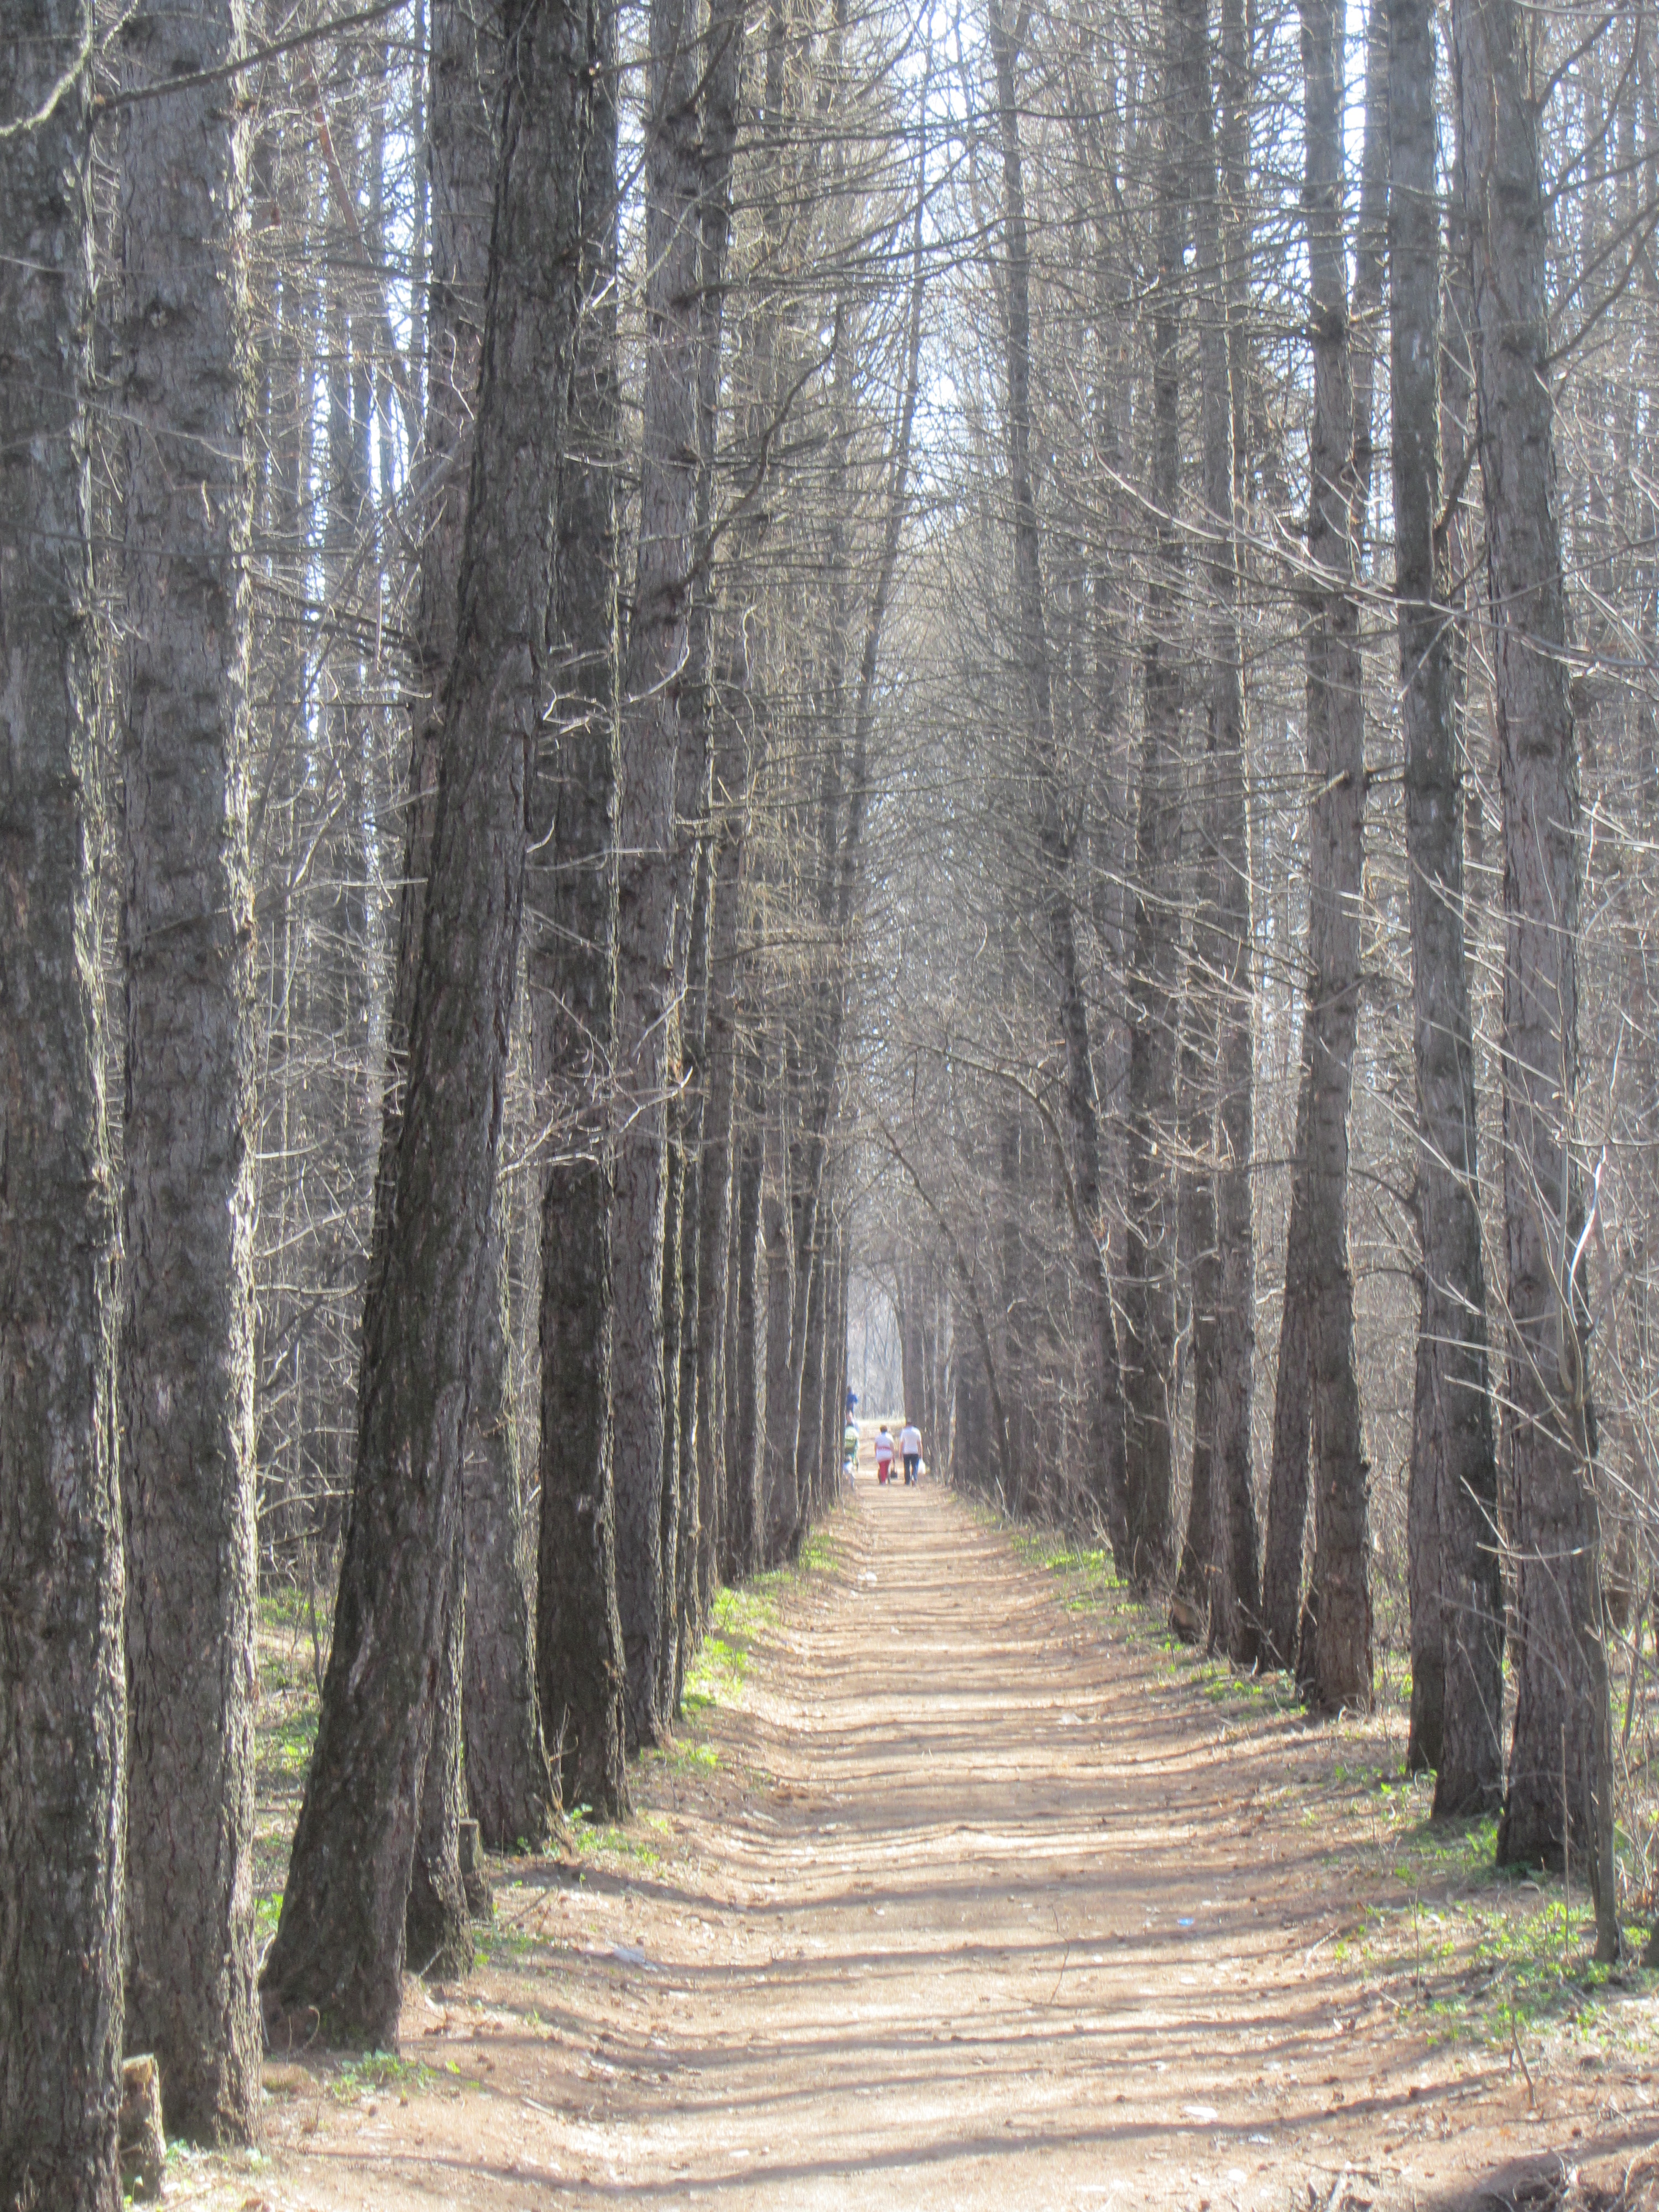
[963,1886]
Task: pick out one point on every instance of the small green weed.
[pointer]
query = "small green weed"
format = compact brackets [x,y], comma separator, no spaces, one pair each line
[380,2070]
[603,1840]
[818,1554]
[718,1671]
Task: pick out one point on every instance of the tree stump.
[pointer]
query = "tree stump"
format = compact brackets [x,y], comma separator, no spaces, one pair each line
[143,2147]
[480,1899]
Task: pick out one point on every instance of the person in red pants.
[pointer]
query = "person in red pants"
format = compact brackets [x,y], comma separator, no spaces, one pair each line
[884,1455]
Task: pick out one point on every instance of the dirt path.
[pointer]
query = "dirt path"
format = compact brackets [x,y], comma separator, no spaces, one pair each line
[974,1908]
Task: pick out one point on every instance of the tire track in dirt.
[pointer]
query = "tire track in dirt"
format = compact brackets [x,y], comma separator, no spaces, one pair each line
[988,1926]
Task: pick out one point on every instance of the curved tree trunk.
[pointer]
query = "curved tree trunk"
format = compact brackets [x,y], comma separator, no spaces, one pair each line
[336,1961]
[63,1687]
[463,168]
[186,1358]
[507,1786]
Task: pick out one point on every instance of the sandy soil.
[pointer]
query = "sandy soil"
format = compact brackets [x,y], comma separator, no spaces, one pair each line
[973,1907]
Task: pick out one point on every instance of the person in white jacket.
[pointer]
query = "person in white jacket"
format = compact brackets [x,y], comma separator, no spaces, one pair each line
[910,1450]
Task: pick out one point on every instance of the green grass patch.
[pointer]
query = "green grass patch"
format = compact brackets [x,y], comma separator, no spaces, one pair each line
[685,1753]
[821,1552]
[1089,1565]
[1439,1932]
[286,1746]
[603,1840]
[717,1673]
[381,2070]
[1477,1952]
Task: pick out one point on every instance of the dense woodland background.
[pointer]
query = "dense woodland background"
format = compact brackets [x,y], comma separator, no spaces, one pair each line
[675,673]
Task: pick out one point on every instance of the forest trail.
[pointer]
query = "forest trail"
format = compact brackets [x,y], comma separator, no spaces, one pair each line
[974,1908]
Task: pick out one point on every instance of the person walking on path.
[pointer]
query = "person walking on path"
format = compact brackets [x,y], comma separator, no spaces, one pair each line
[884,1454]
[910,1452]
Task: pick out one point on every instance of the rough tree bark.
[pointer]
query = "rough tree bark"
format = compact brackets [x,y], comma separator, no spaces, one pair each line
[187,1355]
[1287,1480]
[654,673]
[1149,1307]
[1561,1710]
[510,1790]
[688,1628]
[1224,1283]
[1195,1231]
[713,1271]
[437,1921]
[486,1671]
[668,1489]
[508,1787]
[722,77]
[62,1692]
[1341,1672]
[780,1505]
[336,1964]
[1452,1554]
[744,1528]
[573,977]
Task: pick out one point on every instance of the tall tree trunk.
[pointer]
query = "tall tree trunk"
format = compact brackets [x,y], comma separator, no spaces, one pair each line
[706,1233]
[186,1357]
[62,1689]
[1561,1711]
[668,1472]
[1224,1287]
[485,1682]
[1235,1607]
[1149,1251]
[1196,1225]
[1196,1231]
[715,1286]
[1341,1670]
[1453,1565]
[745,1516]
[337,1961]
[808,1453]
[1107,1477]
[507,1786]
[657,643]
[1287,1482]
[580,1663]
[780,1503]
